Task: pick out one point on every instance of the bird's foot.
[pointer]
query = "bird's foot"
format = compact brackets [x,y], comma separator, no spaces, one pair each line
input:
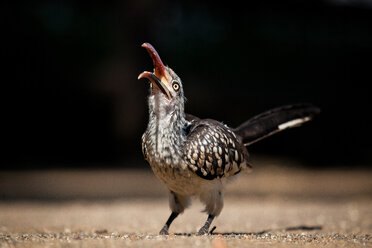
[212,230]
[164,231]
[202,231]
[205,228]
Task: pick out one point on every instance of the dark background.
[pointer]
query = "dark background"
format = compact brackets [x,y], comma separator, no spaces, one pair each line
[71,98]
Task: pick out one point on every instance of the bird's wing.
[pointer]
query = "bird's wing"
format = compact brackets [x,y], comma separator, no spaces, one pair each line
[212,150]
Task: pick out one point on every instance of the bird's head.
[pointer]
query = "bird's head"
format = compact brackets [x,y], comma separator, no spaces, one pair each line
[166,92]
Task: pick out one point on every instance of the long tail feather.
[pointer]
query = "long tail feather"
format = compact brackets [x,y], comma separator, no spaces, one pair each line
[275,120]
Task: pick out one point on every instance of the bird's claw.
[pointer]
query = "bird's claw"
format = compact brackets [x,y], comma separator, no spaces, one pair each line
[164,231]
[202,231]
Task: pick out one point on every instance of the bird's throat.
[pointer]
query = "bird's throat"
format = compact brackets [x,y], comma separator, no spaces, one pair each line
[165,128]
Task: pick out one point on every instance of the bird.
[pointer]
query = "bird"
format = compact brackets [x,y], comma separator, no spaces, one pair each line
[197,157]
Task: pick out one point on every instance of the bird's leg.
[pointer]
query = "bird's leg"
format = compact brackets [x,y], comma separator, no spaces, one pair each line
[177,203]
[164,230]
[204,229]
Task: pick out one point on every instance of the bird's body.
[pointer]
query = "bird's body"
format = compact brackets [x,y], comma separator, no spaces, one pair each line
[198,161]
[197,157]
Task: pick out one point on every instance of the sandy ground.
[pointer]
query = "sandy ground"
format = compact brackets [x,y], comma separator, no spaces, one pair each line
[273,206]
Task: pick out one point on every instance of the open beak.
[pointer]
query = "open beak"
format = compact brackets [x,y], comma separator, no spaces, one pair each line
[160,78]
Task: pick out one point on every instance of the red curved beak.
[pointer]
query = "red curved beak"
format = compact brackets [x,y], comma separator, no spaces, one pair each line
[159,68]
[160,78]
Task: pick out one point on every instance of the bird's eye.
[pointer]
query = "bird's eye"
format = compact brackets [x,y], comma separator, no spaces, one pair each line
[176,86]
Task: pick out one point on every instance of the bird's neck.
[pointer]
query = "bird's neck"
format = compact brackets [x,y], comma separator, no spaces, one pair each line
[166,130]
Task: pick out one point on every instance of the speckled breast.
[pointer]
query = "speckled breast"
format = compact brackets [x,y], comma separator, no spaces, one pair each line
[177,179]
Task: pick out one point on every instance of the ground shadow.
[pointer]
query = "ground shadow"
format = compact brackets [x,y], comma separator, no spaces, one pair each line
[294,228]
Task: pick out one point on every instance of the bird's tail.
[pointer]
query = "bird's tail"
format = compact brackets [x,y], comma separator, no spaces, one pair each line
[275,120]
